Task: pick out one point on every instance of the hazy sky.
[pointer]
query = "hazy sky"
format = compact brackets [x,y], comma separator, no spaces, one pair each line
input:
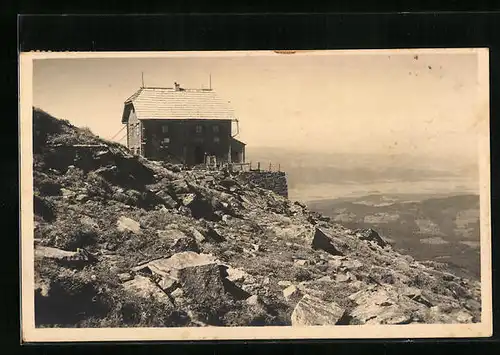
[337,103]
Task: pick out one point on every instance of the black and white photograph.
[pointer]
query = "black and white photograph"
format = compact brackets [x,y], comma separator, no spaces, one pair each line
[255,195]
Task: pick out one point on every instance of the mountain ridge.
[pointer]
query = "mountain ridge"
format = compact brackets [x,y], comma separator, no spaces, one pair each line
[122,241]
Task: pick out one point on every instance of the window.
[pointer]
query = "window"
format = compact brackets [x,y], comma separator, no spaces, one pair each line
[199,128]
[216,139]
[164,142]
[215,128]
[164,128]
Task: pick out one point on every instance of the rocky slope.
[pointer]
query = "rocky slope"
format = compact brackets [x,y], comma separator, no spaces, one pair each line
[122,241]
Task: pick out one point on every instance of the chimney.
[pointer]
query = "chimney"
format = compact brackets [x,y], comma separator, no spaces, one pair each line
[177,86]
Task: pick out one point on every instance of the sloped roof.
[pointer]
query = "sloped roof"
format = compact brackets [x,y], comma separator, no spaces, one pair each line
[236,142]
[168,103]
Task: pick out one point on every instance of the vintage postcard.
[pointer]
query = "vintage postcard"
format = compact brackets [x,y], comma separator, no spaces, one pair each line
[255,195]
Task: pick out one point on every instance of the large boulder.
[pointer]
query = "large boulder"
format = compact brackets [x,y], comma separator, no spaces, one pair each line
[370,235]
[145,288]
[185,243]
[178,187]
[313,311]
[199,207]
[202,282]
[324,241]
[377,314]
[194,272]
[382,306]
[179,240]
[78,258]
[171,266]
[167,199]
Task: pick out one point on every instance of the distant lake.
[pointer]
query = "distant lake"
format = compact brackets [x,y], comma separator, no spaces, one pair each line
[431,186]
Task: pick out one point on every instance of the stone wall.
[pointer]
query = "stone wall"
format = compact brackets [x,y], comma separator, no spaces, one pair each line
[270,180]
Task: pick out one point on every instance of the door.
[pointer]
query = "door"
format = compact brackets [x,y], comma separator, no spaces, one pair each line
[199,155]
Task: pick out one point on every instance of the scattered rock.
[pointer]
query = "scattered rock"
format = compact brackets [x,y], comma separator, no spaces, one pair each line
[171,233]
[257,247]
[81,197]
[128,224]
[301,262]
[200,238]
[284,283]
[265,237]
[324,279]
[370,235]
[177,293]
[184,211]
[66,193]
[168,200]
[311,311]
[214,236]
[185,243]
[415,294]
[145,288]
[458,290]
[228,183]
[463,317]
[180,240]
[321,240]
[188,199]
[123,277]
[254,300]
[351,264]
[179,187]
[236,275]
[473,306]
[53,253]
[168,284]
[345,277]
[335,262]
[79,258]
[89,222]
[291,292]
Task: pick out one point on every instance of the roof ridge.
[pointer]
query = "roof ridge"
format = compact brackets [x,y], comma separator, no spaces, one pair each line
[171,88]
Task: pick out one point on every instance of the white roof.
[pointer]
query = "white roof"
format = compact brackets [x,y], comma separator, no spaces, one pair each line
[168,103]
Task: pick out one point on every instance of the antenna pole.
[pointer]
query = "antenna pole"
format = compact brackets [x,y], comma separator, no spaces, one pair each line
[142,73]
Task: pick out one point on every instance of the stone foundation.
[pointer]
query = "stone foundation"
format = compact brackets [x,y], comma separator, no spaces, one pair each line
[270,180]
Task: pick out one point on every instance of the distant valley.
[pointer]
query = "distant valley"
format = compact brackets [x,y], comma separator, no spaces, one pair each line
[427,207]
[444,229]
